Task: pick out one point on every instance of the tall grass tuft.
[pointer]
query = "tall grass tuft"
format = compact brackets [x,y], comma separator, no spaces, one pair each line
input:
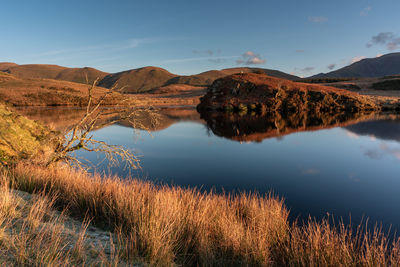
[166,226]
[32,233]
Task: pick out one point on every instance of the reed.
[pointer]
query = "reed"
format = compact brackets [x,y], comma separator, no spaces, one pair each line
[164,226]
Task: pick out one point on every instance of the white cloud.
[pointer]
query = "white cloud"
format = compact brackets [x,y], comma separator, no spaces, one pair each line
[356,59]
[352,135]
[211,59]
[250,58]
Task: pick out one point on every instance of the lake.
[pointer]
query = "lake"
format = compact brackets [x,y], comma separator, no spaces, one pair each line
[346,168]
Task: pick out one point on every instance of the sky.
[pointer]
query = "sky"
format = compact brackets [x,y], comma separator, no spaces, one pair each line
[300,37]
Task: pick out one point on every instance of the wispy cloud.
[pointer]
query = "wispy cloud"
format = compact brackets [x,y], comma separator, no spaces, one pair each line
[299,51]
[317,19]
[382,150]
[217,60]
[365,11]
[352,135]
[302,71]
[331,66]
[123,45]
[250,58]
[356,59]
[208,52]
[192,59]
[306,69]
[389,39]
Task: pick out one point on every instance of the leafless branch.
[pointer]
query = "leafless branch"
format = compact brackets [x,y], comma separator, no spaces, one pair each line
[79,136]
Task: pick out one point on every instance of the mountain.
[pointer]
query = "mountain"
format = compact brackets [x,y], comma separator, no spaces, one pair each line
[55,72]
[138,80]
[35,71]
[79,75]
[208,77]
[383,129]
[6,65]
[135,80]
[385,65]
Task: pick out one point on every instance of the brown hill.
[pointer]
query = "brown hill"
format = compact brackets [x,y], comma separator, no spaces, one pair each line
[36,71]
[5,65]
[178,89]
[55,72]
[138,80]
[135,80]
[78,75]
[208,77]
[46,92]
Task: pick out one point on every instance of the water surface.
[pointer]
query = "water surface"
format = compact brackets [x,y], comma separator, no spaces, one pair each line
[352,170]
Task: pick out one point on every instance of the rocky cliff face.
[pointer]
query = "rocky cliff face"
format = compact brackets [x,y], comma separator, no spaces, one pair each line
[247,93]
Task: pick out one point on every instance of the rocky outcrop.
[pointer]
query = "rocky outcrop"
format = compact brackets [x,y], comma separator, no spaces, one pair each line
[247,93]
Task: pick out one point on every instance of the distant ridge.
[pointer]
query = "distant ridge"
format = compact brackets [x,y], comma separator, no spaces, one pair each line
[208,77]
[138,80]
[134,81]
[54,72]
[79,75]
[6,65]
[43,71]
[385,65]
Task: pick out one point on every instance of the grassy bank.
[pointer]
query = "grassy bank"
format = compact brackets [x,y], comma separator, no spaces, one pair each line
[171,225]
[21,138]
[34,233]
[156,225]
[17,91]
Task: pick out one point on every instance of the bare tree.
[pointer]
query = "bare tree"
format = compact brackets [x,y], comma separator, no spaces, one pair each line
[79,136]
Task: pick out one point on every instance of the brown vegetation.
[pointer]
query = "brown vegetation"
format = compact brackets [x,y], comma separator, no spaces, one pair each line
[43,71]
[45,92]
[80,75]
[5,65]
[169,225]
[34,233]
[208,77]
[135,81]
[164,226]
[262,93]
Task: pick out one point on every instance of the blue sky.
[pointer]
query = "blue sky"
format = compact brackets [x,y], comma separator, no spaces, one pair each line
[187,37]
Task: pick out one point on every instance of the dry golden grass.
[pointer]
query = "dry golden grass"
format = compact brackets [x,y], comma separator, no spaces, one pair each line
[46,92]
[167,226]
[33,233]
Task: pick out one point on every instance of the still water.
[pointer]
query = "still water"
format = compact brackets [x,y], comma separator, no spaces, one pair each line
[351,170]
